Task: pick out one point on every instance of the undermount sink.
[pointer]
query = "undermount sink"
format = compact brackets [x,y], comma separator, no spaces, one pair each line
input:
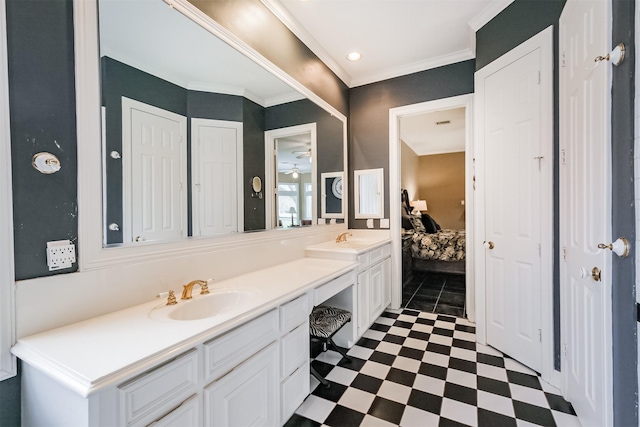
[216,303]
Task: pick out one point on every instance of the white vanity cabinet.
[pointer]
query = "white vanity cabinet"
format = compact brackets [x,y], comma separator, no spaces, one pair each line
[256,374]
[374,287]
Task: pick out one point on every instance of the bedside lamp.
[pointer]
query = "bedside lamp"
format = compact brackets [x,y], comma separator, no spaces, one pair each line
[292,211]
[418,205]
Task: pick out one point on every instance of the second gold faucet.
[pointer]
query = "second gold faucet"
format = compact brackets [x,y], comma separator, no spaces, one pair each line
[343,237]
[188,288]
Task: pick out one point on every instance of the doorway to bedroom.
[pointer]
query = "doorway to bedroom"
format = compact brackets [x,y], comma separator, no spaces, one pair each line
[434,170]
[433,212]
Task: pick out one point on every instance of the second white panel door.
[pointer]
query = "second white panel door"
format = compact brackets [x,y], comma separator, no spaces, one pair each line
[512,203]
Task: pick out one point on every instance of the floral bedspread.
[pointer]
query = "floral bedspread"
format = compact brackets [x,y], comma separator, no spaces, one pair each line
[445,245]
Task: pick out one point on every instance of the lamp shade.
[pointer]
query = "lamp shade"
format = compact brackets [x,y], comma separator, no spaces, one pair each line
[419,205]
[292,210]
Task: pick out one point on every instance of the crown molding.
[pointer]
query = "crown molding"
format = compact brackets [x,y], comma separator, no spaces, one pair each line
[488,13]
[305,37]
[415,67]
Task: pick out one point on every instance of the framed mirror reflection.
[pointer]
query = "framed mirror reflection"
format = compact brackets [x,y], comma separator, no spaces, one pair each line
[185,119]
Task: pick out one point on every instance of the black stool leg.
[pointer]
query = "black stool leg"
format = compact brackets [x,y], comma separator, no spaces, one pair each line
[319,377]
[338,349]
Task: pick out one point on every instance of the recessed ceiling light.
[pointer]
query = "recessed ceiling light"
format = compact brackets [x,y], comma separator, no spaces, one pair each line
[354,56]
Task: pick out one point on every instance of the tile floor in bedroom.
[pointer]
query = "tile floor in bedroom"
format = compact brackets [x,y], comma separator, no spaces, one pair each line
[421,369]
[435,293]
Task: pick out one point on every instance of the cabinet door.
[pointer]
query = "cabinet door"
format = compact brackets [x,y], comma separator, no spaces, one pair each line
[248,395]
[363,302]
[386,282]
[376,291]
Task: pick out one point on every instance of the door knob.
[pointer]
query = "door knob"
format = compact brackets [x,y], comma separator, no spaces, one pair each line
[620,247]
[488,245]
[139,239]
[596,274]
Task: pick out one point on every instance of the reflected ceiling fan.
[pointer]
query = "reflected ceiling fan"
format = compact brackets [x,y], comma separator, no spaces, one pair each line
[294,170]
[302,154]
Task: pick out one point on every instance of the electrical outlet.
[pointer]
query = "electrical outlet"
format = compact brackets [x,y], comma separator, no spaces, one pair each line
[60,254]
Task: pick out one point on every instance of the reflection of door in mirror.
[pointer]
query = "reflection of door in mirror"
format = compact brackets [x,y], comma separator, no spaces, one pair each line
[369,193]
[216,167]
[293,176]
[154,178]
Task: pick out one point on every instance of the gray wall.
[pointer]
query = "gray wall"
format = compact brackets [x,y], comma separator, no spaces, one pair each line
[625,350]
[369,114]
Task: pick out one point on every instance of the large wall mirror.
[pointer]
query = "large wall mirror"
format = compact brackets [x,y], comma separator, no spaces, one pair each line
[173,120]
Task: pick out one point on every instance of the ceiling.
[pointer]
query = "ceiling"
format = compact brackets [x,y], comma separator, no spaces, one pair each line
[425,136]
[395,37]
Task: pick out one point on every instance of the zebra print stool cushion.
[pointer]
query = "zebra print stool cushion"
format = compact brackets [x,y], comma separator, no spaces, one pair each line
[324,320]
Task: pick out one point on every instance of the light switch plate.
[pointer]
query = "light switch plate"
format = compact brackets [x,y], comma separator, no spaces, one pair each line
[370,223]
[384,223]
[60,254]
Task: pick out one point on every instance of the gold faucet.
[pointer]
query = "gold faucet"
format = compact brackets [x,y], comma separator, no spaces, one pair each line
[343,237]
[188,288]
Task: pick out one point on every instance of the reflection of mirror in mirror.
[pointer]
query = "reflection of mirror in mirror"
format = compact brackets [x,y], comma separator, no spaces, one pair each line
[369,193]
[198,109]
[331,193]
[256,186]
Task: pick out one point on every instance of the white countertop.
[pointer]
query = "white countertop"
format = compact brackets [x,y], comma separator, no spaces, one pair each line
[90,355]
[361,241]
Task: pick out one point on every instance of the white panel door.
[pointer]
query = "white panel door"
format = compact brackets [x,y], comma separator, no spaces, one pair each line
[512,205]
[215,164]
[154,173]
[585,210]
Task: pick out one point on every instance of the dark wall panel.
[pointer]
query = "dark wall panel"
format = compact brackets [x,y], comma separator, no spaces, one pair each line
[624,327]
[519,22]
[253,133]
[369,113]
[42,103]
[10,401]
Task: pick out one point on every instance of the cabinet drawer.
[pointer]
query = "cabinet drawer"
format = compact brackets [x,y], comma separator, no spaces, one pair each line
[146,398]
[294,313]
[329,289]
[294,390]
[375,255]
[363,261]
[186,415]
[223,353]
[294,349]
[386,250]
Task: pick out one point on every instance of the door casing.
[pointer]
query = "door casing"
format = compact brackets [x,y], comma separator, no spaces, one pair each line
[395,217]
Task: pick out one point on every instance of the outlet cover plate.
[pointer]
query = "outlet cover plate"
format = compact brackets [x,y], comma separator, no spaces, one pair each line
[60,254]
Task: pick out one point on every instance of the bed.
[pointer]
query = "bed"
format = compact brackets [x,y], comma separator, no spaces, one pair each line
[433,249]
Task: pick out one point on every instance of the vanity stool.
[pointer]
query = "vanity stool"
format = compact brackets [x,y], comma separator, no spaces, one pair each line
[324,322]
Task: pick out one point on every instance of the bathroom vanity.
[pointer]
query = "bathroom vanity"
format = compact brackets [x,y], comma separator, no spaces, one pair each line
[372,252]
[238,364]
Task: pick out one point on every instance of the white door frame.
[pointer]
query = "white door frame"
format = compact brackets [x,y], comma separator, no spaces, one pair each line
[195,167]
[271,166]
[7,276]
[395,216]
[127,106]
[544,42]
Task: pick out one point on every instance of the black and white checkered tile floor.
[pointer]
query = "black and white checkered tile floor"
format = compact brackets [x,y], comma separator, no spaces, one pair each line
[422,369]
